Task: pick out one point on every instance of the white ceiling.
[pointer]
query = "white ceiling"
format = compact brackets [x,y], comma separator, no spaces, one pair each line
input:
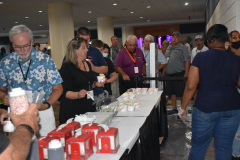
[161,12]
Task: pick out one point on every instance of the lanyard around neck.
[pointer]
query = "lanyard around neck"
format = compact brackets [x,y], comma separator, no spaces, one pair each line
[132,57]
[25,78]
[88,77]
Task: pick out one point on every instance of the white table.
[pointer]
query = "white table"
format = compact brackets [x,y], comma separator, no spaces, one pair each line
[128,124]
[147,102]
[128,128]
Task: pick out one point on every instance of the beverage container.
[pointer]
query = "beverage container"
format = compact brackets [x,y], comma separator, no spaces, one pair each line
[101,78]
[8,127]
[18,101]
[55,150]
[34,150]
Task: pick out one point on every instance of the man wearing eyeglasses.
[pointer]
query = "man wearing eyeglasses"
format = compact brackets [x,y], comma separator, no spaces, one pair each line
[130,64]
[31,70]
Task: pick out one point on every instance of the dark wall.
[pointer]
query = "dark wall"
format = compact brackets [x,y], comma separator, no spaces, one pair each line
[117,32]
[4,41]
[192,28]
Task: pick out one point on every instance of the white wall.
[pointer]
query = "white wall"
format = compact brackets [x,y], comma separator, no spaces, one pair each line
[227,12]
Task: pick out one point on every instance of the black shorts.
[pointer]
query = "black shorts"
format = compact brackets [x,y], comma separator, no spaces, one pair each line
[175,87]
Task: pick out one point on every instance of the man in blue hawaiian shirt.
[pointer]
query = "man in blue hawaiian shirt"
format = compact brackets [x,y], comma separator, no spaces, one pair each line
[31,70]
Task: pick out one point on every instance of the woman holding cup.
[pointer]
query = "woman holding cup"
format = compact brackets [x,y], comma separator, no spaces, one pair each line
[78,81]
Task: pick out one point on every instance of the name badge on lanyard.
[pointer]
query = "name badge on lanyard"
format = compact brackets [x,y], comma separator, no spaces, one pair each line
[135,69]
[133,59]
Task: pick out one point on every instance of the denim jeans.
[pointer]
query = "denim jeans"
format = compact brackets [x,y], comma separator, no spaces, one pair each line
[221,125]
[236,143]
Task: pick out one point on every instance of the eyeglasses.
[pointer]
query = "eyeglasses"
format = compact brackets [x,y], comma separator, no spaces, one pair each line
[22,47]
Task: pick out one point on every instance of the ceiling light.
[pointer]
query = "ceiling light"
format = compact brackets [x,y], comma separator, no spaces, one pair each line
[40,11]
[16,22]
[1,2]
[88,21]
[186,4]
[40,25]
[141,17]
[148,6]
[89,11]
[26,17]
[132,12]
[114,4]
[148,20]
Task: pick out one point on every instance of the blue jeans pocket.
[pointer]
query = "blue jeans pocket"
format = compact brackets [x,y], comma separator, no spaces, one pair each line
[207,117]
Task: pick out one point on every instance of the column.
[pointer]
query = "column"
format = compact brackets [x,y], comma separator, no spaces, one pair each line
[105,29]
[126,31]
[61,29]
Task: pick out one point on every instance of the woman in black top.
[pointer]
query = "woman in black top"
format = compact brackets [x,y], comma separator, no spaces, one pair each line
[78,81]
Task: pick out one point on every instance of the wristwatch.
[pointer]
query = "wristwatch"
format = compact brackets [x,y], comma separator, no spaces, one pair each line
[49,105]
[28,128]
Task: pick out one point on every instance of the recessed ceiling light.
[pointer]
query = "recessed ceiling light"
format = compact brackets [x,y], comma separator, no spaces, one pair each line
[132,12]
[148,6]
[16,22]
[186,4]
[40,11]
[26,17]
[114,4]
[40,25]
[89,11]
[148,20]
[1,2]
[141,17]
[88,21]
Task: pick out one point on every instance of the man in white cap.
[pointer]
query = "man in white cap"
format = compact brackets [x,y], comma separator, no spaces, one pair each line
[200,46]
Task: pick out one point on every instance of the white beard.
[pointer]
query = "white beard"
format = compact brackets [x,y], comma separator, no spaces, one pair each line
[24,56]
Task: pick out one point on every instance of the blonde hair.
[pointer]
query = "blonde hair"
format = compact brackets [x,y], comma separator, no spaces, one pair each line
[73,45]
[165,43]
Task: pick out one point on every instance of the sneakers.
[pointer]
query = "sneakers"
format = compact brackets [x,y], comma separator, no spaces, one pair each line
[173,111]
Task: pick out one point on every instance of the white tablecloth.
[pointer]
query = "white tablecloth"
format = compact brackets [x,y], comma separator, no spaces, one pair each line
[147,102]
[128,124]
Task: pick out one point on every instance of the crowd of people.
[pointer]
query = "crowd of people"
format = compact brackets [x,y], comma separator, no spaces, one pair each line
[211,75]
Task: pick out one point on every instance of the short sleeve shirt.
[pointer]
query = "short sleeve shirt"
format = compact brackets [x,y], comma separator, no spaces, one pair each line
[42,75]
[195,51]
[161,60]
[176,57]
[124,61]
[218,74]
[95,56]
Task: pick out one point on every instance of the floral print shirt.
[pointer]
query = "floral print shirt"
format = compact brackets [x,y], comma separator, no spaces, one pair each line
[39,73]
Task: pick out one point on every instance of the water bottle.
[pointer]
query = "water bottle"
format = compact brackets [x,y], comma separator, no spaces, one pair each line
[34,150]
[55,150]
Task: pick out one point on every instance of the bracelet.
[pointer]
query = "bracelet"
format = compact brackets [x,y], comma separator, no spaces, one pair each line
[49,105]
[28,128]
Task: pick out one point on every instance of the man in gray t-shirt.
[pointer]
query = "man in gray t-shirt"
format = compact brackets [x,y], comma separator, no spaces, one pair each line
[178,65]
